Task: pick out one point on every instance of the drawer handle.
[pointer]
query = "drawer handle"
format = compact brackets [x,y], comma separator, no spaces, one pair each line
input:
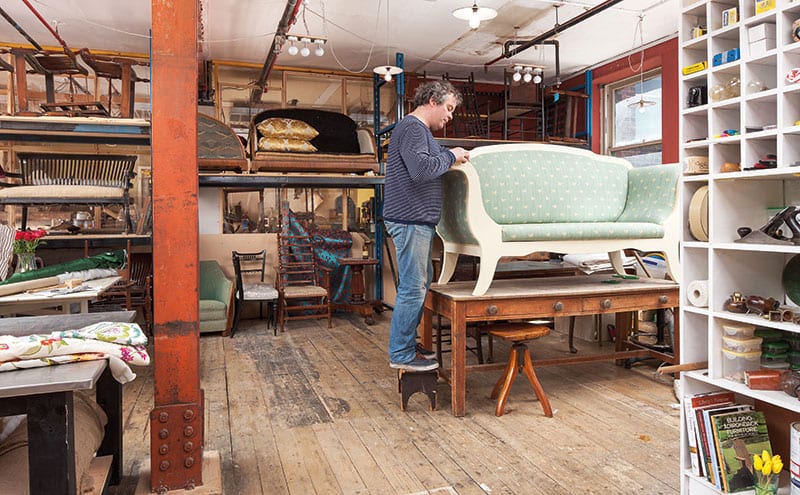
[559,306]
[491,309]
[606,304]
[663,299]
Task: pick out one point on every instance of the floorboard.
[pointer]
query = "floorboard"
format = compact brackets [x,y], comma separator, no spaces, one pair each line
[316,410]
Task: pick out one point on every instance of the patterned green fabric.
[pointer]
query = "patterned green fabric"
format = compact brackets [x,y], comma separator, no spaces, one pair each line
[651,193]
[536,186]
[452,225]
[581,231]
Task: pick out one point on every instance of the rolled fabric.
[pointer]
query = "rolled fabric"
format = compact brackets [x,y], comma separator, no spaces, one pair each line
[697,293]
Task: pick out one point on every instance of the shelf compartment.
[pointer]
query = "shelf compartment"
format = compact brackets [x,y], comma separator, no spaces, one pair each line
[722,152]
[739,203]
[748,273]
[695,126]
[775,397]
[761,70]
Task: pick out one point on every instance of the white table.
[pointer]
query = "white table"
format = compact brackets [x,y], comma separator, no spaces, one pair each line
[39,303]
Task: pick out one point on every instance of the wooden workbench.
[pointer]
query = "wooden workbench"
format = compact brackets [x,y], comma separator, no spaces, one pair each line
[544,297]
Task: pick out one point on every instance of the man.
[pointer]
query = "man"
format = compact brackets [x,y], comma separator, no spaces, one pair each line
[411,210]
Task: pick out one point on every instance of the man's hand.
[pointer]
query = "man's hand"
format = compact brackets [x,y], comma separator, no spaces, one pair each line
[462,155]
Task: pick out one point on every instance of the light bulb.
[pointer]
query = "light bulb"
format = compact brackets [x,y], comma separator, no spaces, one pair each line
[527,77]
[305,52]
[474,21]
[388,76]
[319,51]
[516,77]
[537,79]
[641,107]
[292,50]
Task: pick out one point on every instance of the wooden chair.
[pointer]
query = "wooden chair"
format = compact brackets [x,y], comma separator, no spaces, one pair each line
[253,265]
[134,290]
[519,359]
[303,284]
[120,68]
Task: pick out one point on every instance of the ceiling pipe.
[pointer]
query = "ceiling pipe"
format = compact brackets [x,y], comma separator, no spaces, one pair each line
[289,17]
[46,24]
[19,29]
[509,52]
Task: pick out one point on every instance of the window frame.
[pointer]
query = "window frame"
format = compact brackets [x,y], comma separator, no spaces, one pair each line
[608,113]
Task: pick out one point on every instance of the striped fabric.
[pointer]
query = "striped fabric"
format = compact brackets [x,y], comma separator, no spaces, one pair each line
[6,249]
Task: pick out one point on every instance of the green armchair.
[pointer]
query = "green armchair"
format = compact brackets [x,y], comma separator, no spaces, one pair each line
[216,298]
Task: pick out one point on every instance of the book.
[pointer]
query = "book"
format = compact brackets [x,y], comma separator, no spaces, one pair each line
[705,415]
[739,435]
[691,403]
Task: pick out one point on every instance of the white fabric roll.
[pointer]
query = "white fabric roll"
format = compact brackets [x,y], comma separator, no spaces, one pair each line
[697,293]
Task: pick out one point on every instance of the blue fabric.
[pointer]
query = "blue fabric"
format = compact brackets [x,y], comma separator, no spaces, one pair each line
[330,246]
[413,244]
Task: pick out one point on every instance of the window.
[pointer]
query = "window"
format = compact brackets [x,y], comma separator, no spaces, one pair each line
[633,119]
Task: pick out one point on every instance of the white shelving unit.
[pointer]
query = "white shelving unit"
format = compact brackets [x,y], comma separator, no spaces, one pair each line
[736,199]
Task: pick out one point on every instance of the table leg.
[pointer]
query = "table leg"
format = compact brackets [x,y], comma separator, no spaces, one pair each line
[109,397]
[426,326]
[623,321]
[458,371]
[51,444]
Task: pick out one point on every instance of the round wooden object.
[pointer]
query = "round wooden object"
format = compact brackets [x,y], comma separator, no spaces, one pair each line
[518,332]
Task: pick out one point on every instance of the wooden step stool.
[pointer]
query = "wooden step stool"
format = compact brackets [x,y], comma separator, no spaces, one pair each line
[411,382]
[519,359]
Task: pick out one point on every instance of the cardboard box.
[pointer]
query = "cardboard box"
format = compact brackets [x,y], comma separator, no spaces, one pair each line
[764,5]
[761,47]
[717,59]
[760,32]
[732,55]
[690,69]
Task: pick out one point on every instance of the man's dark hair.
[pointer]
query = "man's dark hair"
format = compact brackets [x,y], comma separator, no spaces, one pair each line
[438,90]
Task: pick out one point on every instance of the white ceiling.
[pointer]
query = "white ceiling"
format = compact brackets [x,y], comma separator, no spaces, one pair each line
[431,39]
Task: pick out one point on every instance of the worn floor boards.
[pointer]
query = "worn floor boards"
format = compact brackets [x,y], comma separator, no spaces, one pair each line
[316,411]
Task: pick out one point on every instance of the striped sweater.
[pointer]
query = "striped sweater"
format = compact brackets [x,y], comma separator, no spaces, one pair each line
[413,185]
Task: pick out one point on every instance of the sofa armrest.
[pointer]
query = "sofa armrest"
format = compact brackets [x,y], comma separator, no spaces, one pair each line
[213,282]
[652,193]
[366,141]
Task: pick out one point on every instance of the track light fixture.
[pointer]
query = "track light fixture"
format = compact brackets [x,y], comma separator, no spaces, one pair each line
[474,15]
[305,51]
[527,74]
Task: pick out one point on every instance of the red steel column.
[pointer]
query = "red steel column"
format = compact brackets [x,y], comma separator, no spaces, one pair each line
[176,422]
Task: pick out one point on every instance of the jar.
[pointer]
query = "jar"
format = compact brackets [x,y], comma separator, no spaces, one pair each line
[733,88]
[754,87]
[717,92]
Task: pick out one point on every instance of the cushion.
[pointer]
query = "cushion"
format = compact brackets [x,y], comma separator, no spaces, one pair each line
[213,310]
[337,132]
[285,144]
[258,291]
[286,128]
[579,231]
[66,192]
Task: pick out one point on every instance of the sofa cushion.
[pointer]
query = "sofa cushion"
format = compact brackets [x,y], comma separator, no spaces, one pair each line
[66,192]
[211,309]
[286,128]
[337,132]
[539,186]
[270,143]
[581,231]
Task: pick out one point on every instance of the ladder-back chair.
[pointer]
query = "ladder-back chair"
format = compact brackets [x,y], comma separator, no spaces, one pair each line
[303,284]
[250,270]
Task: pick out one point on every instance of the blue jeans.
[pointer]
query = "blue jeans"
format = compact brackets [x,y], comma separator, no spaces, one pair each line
[413,245]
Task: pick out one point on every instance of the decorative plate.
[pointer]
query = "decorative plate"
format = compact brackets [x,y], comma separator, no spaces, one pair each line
[791,279]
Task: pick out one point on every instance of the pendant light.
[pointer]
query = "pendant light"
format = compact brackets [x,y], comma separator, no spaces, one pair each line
[475,14]
[388,70]
[641,104]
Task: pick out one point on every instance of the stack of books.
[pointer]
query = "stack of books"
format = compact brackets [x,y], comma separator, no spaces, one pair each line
[723,436]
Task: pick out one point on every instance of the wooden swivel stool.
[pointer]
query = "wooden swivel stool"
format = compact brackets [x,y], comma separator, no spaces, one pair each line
[519,359]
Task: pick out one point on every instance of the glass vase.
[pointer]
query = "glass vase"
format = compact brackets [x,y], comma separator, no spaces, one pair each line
[767,487]
[26,262]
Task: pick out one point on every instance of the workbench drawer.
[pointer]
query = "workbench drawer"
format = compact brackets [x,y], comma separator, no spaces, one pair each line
[633,302]
[501,309]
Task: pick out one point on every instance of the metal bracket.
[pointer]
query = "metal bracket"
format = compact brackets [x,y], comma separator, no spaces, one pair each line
[176,449]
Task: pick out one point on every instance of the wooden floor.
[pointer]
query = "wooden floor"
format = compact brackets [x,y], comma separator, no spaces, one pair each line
[316,411]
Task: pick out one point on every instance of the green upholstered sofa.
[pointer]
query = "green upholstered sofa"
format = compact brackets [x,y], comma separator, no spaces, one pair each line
[216,298]
[516,199]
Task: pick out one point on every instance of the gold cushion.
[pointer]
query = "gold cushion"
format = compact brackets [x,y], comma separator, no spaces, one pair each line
[285,144]
[286,128]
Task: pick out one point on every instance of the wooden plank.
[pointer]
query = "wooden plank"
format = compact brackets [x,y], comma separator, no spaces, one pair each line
[98,473]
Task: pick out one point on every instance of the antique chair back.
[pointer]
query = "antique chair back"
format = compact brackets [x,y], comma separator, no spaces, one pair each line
[250,270]
[303,284]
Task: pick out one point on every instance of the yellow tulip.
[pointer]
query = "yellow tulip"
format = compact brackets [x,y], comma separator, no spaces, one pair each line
[765,456]
[777,466]
[776,458]
[766,468]
[757,462]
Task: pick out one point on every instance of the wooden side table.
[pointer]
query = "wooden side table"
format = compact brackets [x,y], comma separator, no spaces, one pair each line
[358,302]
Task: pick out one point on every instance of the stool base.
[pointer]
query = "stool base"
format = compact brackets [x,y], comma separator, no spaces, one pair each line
[411,382]
[519,360]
